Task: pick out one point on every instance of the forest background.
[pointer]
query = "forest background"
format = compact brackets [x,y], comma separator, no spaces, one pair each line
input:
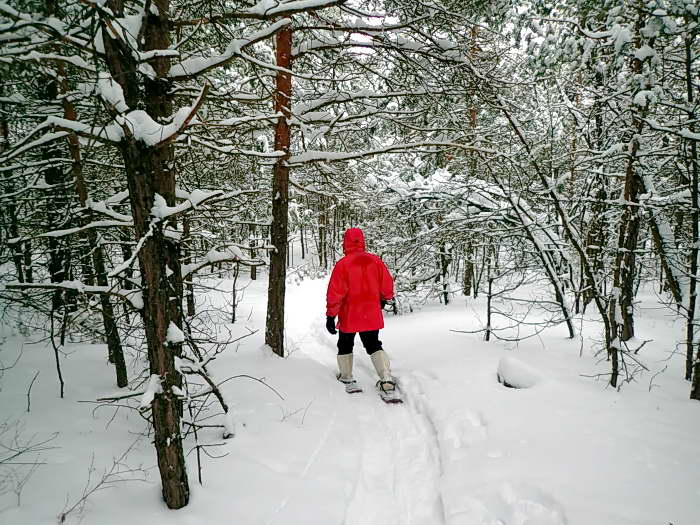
[485,147]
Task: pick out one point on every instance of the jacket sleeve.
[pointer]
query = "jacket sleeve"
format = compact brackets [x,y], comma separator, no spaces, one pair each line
[337,290]
[386,288]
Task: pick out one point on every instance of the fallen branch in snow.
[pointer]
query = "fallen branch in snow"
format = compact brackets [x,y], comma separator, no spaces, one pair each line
[15,468]
[136,393]
[259,380]
[651,381]
[14,363]
[115,474]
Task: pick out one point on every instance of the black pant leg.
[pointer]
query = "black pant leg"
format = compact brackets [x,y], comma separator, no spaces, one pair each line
[346,340]
[371,341]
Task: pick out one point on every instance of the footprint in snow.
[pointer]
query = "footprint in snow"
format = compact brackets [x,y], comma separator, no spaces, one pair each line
[460,431]
[508,503]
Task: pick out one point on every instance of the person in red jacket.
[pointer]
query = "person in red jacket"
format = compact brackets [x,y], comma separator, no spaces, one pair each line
[360,285]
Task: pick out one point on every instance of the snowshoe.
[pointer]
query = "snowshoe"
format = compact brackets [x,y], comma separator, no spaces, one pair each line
[389,392]
[351,386]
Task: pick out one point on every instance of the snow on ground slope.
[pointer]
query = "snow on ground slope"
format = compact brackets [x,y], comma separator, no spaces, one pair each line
[463,449]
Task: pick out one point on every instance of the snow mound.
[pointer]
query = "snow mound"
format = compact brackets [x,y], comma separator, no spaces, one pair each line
[513,373]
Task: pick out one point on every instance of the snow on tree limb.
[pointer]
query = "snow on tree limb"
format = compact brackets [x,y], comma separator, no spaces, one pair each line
[134,297]
[196,65]
[328,156]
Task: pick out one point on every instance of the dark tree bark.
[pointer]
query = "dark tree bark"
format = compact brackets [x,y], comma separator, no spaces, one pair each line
[445,260]
[125,241]
[692,369]
[695,214]
[9,214]
[468,270]
[234,292]
[28,269]
[323,234]
[55,207]
[188,259]
[487,335]
[626,260]
[274,328]
[57,200]
[630,224]
[149,171]
[114,345]
[253,252]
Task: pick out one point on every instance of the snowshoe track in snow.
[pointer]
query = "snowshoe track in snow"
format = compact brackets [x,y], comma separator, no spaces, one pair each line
[430,462]
[469,493]
[398,474]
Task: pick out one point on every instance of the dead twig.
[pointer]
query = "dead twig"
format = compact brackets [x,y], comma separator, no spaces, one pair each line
[29,390]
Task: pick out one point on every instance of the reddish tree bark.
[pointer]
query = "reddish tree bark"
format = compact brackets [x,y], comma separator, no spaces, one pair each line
[274,328]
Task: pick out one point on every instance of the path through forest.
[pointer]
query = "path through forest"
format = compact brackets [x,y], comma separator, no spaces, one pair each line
[421,462]
[462,449]
[465,450]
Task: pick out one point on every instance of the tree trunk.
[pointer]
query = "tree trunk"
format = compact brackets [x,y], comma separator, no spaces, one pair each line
[28,270]
[468,270]
[695,212]
[445,259]
[56,205]
[489,296]
[11,210]
[253,252]
[149,171]
[322,234]
[125,240]
[99,270]
[188,260]
[274,327]
[626,259]
[57,201]
[234,293]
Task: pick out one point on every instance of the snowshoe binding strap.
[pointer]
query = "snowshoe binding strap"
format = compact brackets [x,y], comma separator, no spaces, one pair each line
[386,386]
[389,392]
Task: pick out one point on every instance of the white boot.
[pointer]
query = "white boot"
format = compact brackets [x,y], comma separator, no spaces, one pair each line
[380,360]
[386,384]
[345,374]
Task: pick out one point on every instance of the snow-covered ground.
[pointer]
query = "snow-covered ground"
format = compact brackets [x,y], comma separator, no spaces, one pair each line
[462,450]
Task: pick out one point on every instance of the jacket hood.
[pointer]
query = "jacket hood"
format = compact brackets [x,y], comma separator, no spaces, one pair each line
[353,241]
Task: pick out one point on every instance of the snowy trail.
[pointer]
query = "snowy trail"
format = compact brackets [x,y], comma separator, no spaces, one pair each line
[399,470]
[396,480]
[461,450]
[428,461]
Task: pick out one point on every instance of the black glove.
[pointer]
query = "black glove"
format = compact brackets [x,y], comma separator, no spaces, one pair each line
[330,325]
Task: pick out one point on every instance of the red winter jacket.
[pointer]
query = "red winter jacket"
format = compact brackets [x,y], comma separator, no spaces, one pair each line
[359,281]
